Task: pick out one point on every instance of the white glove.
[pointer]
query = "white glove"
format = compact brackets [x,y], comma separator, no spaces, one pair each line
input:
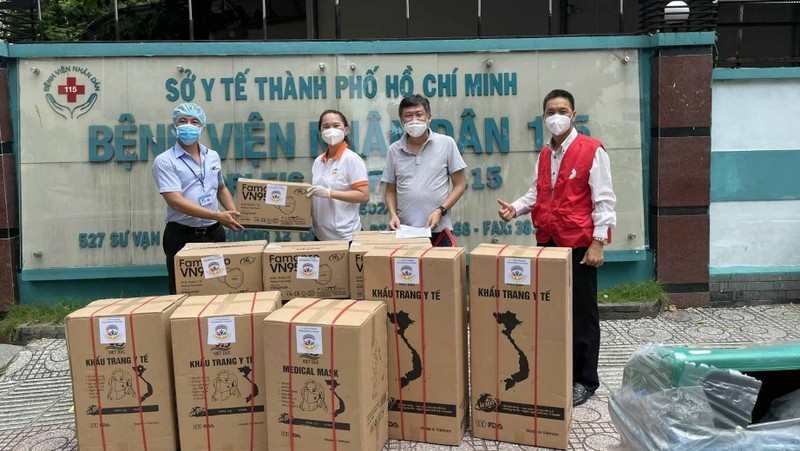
[319,191]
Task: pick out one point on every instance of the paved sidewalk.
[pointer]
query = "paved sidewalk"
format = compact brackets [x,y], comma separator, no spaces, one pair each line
[36,396]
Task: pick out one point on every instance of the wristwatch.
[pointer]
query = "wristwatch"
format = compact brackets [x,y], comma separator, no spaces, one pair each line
[443,210]
[603,241]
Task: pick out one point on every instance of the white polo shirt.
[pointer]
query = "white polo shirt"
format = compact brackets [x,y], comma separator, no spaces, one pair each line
[423,179]
[335,219]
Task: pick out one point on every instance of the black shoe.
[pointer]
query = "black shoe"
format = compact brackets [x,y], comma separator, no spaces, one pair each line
[580,394]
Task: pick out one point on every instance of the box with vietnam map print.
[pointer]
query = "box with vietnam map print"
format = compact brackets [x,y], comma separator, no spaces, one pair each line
[521,346]
[424,290]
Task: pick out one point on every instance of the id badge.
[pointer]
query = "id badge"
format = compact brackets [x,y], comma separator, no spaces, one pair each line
[205,200]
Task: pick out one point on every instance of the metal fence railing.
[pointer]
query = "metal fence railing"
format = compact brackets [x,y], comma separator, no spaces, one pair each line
[676,16]
[758,33]
[750,33]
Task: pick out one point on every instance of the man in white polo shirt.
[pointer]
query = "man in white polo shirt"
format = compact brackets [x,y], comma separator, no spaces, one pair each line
[420,169]
[189,177]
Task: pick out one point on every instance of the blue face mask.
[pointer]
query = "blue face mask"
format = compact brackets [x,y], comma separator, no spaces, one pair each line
[188,133]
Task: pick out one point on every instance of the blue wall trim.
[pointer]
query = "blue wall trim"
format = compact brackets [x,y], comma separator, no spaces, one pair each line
[645,74]
[84,291]
[625,256]
[102,49]
[756,175]
[725,270]
[97,272]
[756,73]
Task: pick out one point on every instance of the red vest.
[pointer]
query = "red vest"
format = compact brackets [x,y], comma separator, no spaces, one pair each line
[564,212]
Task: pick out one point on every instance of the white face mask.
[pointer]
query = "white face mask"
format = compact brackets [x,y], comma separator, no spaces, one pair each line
[333,136]
[558,124]
[415,128]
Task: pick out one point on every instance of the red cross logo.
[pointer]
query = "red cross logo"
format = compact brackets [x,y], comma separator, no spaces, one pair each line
[71,89]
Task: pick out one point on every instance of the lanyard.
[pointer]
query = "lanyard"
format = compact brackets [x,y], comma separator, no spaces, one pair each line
[200,178]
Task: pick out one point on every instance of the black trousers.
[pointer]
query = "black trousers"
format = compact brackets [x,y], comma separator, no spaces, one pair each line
[177,235]
[585,321]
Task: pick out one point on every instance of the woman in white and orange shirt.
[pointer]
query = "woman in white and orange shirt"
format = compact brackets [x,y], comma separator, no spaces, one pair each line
[339,179]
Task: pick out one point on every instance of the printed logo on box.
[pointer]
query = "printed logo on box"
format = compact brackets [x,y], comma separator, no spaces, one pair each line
[276,195]
[406,271]
[112,330]
[221,330]
[214,267]
[309,339]
[517,271]
[308,268]
[221,333]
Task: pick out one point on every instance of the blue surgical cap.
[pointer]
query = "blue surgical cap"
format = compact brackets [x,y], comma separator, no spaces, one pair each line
[190,110]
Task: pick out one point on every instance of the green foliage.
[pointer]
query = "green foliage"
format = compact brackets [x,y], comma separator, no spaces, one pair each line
[68,20]
[19,315]
[649,290]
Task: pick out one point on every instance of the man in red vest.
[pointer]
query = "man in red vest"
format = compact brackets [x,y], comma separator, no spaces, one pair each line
[571,202]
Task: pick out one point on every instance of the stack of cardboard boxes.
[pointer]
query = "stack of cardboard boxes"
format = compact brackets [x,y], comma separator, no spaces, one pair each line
[250,374]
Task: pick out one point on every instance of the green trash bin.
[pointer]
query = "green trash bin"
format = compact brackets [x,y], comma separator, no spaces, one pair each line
[776,366]
[784,357]
[700,398]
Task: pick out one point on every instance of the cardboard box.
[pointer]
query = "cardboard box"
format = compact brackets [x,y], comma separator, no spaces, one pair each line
[326,363]
[355,260]
[307,269]
[219,268]
[218,349]
[427,339]
[521,346]
[121,363]
[270,204]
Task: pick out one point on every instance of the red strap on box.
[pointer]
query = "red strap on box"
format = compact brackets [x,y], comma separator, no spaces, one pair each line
[289,344]
[252,372]
[497,341]
[424,365]
[397,345]
[96,374]
[333,382]
[203,369]
[536,357]
[135,369]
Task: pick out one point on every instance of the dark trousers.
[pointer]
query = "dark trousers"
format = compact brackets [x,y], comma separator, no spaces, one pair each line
[177,235]
[585,321]
[444,238]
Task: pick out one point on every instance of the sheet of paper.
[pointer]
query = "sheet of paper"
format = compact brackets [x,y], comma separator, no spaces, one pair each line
[412,232]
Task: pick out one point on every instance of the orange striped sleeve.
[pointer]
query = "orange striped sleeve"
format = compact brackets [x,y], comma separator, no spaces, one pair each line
[361,183]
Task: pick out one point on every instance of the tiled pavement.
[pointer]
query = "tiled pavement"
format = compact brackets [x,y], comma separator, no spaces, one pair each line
[36,397]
